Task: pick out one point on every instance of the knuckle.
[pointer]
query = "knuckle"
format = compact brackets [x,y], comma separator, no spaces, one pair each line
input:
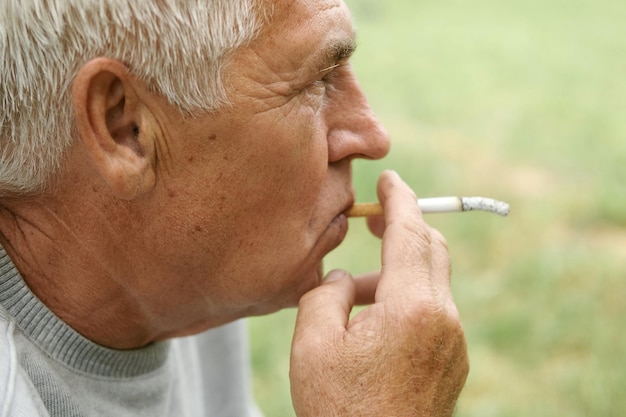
[416,230]
[437,237]
[432,313]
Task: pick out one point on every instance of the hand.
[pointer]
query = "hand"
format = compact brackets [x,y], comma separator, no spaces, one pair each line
[404,355]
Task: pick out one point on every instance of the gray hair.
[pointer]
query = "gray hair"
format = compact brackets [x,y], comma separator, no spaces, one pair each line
[179,47]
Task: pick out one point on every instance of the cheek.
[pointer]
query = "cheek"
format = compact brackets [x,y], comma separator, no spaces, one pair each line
[309,155]
[291,190]
[291,164]
[302,179]
[291,179]
[272,171]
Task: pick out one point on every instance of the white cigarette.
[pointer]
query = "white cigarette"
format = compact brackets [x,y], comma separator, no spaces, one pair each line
[438,205]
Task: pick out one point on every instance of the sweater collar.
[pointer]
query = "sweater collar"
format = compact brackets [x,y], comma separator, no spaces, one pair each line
[61,342]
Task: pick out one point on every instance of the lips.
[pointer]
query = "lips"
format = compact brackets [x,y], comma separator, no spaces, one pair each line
[348,204]
[339,219]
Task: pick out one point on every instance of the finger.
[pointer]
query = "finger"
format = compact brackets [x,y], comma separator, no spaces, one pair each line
[406,251]
[366,288]
[397,198]
[376,224]
[327,306]
[440,264]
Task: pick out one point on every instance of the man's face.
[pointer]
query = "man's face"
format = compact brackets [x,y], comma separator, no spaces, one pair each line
[255,191]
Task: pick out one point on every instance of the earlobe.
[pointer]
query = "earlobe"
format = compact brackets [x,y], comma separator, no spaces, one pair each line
[114,124]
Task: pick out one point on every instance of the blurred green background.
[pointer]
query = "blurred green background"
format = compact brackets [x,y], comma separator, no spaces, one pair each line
[524,101]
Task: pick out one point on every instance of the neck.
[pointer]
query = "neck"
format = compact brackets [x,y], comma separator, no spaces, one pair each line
[102,265]
[79,277]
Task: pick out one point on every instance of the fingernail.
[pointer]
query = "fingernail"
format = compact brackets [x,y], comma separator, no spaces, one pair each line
[334,275]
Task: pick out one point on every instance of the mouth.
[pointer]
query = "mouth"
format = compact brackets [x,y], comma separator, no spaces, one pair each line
[335,233]
[340,221]
[349,203]
[336,227]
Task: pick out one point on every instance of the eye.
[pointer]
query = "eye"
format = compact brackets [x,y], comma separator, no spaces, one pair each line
[330,74]
[326,80]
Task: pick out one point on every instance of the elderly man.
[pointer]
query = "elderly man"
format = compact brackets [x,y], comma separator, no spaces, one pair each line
[169,167]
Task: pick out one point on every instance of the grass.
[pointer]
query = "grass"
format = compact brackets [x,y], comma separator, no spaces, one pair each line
[523,101]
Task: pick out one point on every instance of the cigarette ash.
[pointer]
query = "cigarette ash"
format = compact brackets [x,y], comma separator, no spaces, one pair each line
[485,204]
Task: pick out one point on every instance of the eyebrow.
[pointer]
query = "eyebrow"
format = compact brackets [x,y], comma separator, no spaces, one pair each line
[337,52]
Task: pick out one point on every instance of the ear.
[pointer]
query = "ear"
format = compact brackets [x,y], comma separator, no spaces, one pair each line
[116,126]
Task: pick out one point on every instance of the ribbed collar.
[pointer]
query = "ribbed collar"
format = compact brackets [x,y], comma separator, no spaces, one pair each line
[63,343]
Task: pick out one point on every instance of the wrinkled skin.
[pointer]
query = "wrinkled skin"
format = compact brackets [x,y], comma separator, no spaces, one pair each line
[161,225]
[405,355]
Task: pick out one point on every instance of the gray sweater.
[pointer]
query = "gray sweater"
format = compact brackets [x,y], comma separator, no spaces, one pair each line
[48,369]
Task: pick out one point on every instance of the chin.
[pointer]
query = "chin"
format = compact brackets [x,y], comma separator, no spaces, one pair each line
[290,295]
[311,280]
[286,290]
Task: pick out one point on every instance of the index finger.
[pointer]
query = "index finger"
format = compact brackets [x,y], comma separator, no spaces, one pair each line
[406,248]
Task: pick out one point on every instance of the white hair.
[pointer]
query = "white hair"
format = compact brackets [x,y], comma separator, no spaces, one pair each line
[178,47]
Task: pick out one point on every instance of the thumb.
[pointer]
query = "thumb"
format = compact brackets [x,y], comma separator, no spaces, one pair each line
[326,307]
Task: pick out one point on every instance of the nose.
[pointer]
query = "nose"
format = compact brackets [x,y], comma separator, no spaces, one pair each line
[354,129]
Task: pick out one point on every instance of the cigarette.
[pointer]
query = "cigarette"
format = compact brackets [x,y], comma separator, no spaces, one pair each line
[437,205]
